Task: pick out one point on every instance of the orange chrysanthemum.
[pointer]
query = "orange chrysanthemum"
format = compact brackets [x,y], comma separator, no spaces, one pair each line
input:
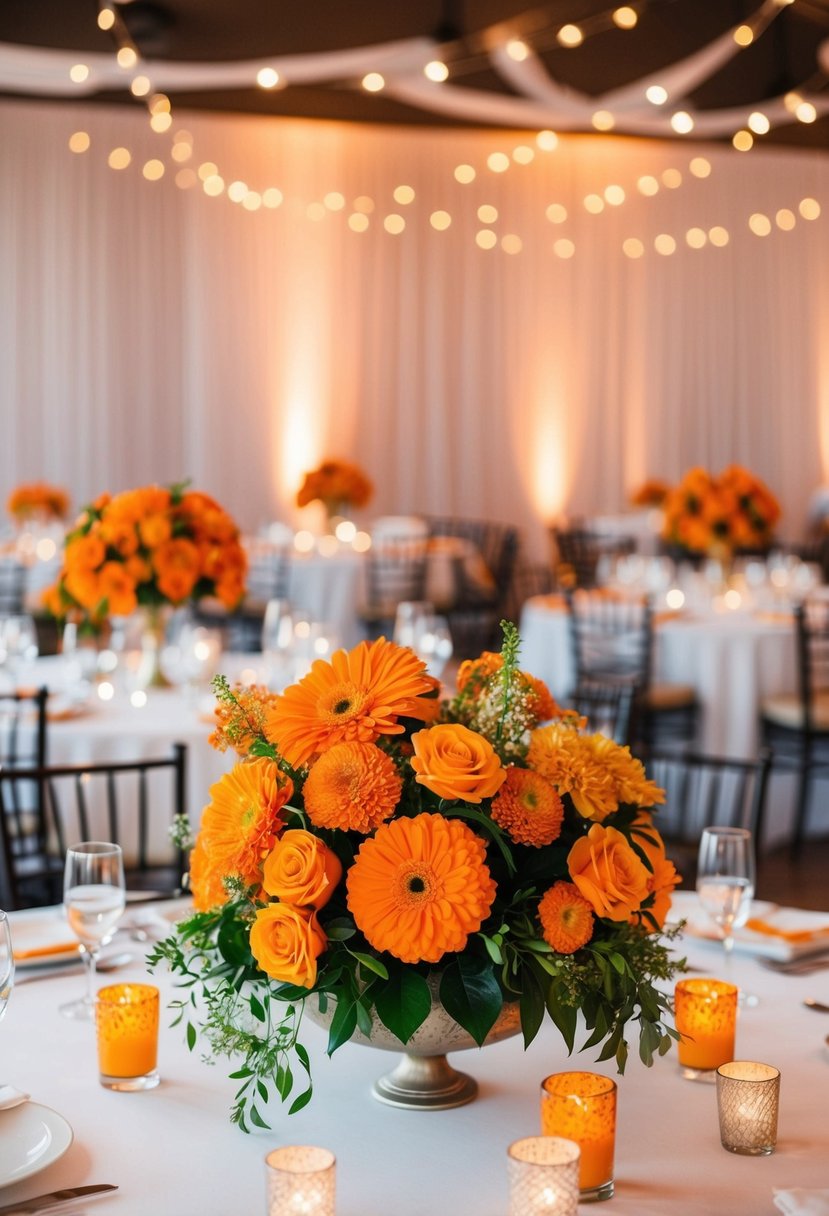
[566,918]
[357,697]
[354,787]
[206,884]
[528,808]
[243,819]
[419,887]
[566,759]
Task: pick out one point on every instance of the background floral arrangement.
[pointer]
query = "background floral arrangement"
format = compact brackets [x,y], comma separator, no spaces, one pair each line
[707,514]
[336,484]
[372,838]
[38,500]
[651,493]
[148,547]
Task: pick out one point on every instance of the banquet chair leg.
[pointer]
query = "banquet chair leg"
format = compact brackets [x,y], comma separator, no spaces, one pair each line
[804,787]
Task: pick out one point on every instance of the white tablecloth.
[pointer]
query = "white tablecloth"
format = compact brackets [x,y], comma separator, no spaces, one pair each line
[173,1152]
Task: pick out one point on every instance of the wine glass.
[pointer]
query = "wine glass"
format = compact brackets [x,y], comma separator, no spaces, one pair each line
[407,620]
[278,639]
[725,880]
[433,643]
[6,963]
[18,642]
[94,900]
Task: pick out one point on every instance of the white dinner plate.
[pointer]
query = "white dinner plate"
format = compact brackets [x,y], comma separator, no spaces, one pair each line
[32,1137]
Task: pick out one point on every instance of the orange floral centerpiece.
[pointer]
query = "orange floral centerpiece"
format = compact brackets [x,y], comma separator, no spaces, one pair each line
[651,493]
[375,849]
[148,548]
[37,501]
[337,485]
[716,515]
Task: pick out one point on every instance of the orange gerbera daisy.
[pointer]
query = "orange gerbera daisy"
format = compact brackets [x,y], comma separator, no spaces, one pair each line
[419,887]
[242,821]
[356,697]
[566,918]
[352,786]
[528,808]
[206,884]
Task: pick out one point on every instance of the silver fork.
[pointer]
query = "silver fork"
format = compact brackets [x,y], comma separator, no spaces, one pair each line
[797,966]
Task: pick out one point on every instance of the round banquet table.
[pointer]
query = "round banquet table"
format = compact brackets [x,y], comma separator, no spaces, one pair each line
[173,1152]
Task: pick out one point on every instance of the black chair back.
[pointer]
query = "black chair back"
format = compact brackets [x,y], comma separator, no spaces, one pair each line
[607,707]
[12,587]
[395,572]
[578,551]
[611,638]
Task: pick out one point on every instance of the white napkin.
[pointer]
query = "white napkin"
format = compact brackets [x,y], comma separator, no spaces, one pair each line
[9,1097]
[800,1201]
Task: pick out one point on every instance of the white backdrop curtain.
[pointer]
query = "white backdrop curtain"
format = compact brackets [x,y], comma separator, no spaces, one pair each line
[153,333]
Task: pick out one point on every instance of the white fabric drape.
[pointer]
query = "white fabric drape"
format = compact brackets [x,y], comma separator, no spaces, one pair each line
[151,333]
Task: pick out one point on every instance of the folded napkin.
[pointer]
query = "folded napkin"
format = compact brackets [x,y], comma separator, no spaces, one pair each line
[28,956]
[801,1201]
[797,937]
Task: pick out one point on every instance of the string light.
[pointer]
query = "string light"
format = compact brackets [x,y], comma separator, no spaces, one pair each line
[656,95]
[744,35]
[603,120]
[517,50]
[267,78]
[743,141]
[625,17]
[78,73]
[106,19]
[570,36]
[682,122]
[436,71]
[759,123]
[373,82]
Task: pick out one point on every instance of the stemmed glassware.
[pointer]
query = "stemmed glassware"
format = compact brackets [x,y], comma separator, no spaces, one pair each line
[725,880]
[18,642]
[432,643]
[6,963]
[278,640]
[94,900]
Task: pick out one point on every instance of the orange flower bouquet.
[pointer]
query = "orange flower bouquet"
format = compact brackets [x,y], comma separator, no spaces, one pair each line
[375,851]
[651,493]
[716,515]
[336,484]
[148,548]
[37,500]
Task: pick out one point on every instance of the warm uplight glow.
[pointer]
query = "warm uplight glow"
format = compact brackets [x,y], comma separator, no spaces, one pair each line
[497,162]
[547,141]
[153,170]
[394,224]
[603,120]
[625,17]
[511,243]
[682,122]
[373,82]
[403,195]
[126,57]
[464,174]
[161,122]
[436,70]
[744,35]
[700,167]
[743,141]
[695,238]
[759,224]
[614,195]
[785,219]
[517,50]
[106,19]
[805,112]
[267,78]
[304,542]
[594,203]
[570,35]
[648,185]
[335,201]
[809,208]
[78,73]
[523,155]
[314,211]
[671,179]
[664,244]
[718,236]
[79,141]
[563,248]
[140,86]
[758,123]
[547,443]
[556,213]
[633,248]
[119,158]
[656,95]
[440,220]
[358,222]
[486,239]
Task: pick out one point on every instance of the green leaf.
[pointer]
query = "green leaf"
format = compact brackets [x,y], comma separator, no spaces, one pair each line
[191,1036]
[464,811]
[403,1003]
[339,930]
[257,1119]
[649,1040]
[492,948]
[370,964]
[363,1019]
[263,1090]
[343,1024]
[565,1018]
[303,1100]
[531,1004]
[256,1008]
[470,994]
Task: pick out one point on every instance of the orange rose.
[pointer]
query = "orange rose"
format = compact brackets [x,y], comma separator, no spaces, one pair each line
[154,530]
[286,943]
[118,589]
[86,552]
[456,762]
[301,869]
[177,565]
[608,873]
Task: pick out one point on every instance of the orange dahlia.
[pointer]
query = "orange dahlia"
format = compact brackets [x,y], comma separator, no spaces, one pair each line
[419,887]
[565,758]
[206,884]
[357,697]
[243,819]
[528,808]
[352,786]
[566,918]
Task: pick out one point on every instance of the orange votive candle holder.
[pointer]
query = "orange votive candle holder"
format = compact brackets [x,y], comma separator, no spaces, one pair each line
[126,1017]
[705,1012]
[581,1106]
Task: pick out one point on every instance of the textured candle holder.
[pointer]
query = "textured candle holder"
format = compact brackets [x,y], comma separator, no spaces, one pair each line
[301,1181]
[126,1017]
[706,1017]
[581,1106]
[748,1097]
[543,1176]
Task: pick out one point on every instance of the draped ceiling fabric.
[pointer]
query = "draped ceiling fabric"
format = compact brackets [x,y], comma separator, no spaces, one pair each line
[151,333]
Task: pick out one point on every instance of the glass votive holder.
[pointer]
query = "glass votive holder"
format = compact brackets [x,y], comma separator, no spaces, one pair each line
[300,1181]
[705,1013]
[581,1106]
[126,1017]
[748,1096]
[543,1176]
